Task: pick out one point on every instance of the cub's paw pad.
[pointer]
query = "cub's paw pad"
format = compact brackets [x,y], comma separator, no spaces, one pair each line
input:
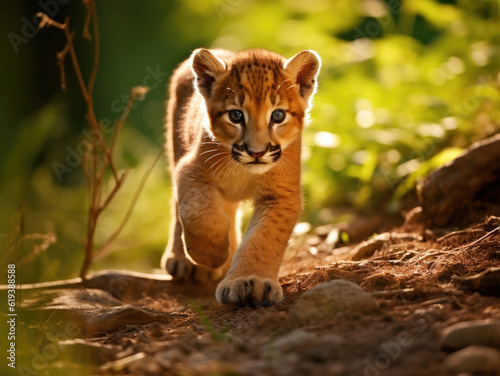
[181,269]
[251,290]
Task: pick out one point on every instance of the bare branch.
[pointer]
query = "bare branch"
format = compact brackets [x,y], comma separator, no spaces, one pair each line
[90,4]
[46,21]
[130,208]
[137,92]
[86,23]
[99,157]
[113,191]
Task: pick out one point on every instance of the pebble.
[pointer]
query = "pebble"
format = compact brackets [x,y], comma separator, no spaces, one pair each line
[469,333]
[302,342]
[294,340]
[286,365]
[201,363]
[323,231]
[475,360]
[329,299]
[323,349]
[254,367]
[169,357]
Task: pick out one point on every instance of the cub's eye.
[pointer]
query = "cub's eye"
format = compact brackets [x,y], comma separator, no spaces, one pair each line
[236,116]
[278,116]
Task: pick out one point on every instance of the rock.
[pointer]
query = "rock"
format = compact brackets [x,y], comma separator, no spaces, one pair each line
[323,231]
[313,241]
[323,349]
[254,367]
[286,365]
[479,333]
[301,342]
[329,299]
[292,341]
[331,340]
[475,360]
[167,358]
[333,237]
[201,363]
[92,311]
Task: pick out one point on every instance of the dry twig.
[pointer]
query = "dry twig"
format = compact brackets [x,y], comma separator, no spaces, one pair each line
[99,157]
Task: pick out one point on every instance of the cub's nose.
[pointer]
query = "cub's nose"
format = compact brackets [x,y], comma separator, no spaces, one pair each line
[254,154]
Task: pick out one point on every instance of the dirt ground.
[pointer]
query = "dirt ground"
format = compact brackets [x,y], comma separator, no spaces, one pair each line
[129,324]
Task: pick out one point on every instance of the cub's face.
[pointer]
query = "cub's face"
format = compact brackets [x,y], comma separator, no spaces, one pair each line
[256,101]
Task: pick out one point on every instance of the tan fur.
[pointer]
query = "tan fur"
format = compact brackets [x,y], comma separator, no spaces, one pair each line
[211,164]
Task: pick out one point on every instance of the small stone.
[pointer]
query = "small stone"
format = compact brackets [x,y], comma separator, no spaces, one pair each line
[169,357]
[331,340]
[323,231]
[292,341]
[329,299]
[475,360]
[201,363]
[205,339]
[254,367]
[333,237]
[286,365]
[323,349]
[469,333]
[313,241]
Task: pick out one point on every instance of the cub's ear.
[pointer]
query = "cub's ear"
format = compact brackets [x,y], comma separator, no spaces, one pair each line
[304,68]
[206,68]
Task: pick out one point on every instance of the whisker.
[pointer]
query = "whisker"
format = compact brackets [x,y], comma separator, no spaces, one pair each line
[276,91]
[225,160]
[289,87]
[236,98]
[224,168]
[206,160]
[283,168]
[287,164]
[230,170]
[208,151]
[279,168]
[219,161]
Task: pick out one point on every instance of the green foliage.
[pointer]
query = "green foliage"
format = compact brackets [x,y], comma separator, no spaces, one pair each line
[401,83]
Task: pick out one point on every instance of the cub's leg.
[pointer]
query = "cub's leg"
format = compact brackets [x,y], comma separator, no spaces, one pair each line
[208,224]
[174,260]
[253,275]
[180,267]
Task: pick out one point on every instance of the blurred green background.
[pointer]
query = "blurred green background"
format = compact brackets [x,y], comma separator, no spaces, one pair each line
[405,85]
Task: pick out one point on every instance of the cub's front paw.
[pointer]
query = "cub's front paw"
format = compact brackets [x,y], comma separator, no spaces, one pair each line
[181,269]
[252,290]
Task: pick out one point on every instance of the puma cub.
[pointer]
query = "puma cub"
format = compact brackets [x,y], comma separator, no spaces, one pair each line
[234,126]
